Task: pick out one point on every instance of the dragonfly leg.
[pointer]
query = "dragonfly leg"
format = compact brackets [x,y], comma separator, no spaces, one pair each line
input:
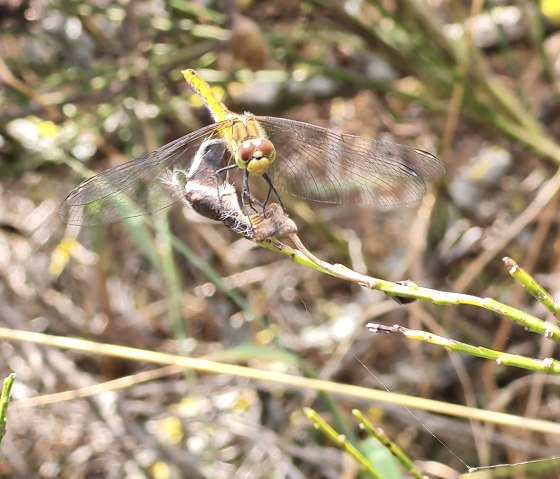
[271,188]
[218,172]
[246,193]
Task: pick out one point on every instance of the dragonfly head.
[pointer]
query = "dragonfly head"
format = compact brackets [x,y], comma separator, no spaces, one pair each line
[255,155]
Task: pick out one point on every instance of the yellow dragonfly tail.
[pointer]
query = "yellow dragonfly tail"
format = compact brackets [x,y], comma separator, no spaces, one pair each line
[217,109]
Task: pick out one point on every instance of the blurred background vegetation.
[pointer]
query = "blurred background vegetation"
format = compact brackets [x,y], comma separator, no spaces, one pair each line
[88,85]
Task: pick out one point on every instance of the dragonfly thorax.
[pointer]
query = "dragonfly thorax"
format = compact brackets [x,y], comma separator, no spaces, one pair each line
[255,155]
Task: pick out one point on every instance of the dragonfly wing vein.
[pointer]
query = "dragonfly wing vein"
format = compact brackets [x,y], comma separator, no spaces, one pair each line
[140,186]
[326,166]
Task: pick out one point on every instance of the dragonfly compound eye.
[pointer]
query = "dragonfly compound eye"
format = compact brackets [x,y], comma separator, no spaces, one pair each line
[245,153]
[266,149]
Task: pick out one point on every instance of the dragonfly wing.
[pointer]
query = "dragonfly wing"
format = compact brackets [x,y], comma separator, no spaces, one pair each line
[149,183]
[327,166]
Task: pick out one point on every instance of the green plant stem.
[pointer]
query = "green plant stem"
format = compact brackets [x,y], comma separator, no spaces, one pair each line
[341,441]
[547,365]
[532,286]
[4,402]
[411,290]
[395,450]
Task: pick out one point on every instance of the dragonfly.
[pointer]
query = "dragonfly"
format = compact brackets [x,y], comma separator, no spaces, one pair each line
[294,157]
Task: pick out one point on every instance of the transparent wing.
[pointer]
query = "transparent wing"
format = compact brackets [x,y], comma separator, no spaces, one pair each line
[151,182]
[323,165]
